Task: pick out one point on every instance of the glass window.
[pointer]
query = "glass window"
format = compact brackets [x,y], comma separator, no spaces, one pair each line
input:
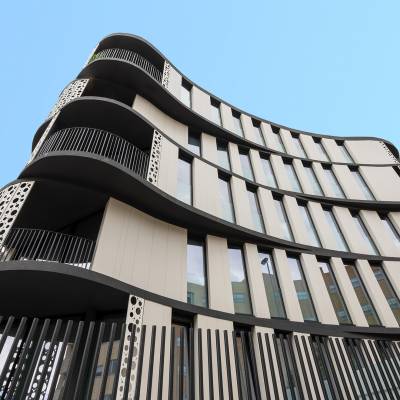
[323,155]
[299,147]
[283,219]
[240,288]
[337,233]
[387,290]
[362,295]
[196,273]
[269,172]
[246,165]
[186,96]
[310,228]
[316,187]
[215,112]
[293,179]
[345,153]
[194,142]
[334,293]
[333,182]
[223,155]
[362,184]
[365,234]
[278,140]
[184,187]
[237,124]
[303,294]
[258,133]
[225,199]
[271,285]
[391,229]
[255,210]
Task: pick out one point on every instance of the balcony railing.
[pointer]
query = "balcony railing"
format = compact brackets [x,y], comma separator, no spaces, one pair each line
[131,57]
[40,245]
[101,143]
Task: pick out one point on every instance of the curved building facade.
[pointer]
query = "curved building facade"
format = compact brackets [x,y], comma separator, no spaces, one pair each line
[162,244]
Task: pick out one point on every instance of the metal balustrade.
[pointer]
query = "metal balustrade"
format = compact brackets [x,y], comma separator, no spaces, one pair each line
[101,143]
[41,245]
[131,57]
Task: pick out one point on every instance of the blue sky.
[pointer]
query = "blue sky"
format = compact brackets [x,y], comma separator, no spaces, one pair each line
[327,67]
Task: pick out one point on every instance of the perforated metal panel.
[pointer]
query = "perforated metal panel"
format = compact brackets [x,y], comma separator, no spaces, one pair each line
[155,158]
[165,77]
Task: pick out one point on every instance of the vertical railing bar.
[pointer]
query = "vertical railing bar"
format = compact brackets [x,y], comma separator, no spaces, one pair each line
[161,369]
[119,361]
[171,364]
[140,363]
[237,364]
[286,361]
[151,362]
[129,362]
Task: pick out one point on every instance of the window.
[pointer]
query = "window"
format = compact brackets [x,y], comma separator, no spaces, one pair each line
[333,182]
[337,233]
[303,294]
[299,147]
[258,133]
[194,142]
[316,187]
[346,155]
[184,187]
[186,93]
[195,273]
[284,222]
[225,199]
[271,285]
[255,210]
[362,184]
[391,229]
[293,179]
[362,295]
[237,123]
[278,140]
[240,288]
[268,172]
[365,234]
[223,155]
[313,238]
[246,164]
[323,155]
[334,293]
[215,112]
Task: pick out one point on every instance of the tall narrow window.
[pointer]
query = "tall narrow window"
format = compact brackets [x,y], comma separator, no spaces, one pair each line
[246,165]
[237,123]
[333,182]
[269,172]
[362,295]
[223,155]
[271,285]
[313,238]
[365,234]
[184,187]
[225,199]
[186,93]
[362,184]
[323,155]
[255,210]
[278,140]
[299,147]
[387,290]
[316,187]
[196,273]
[334,293]
[337,233]
[391,230]
[258,133]
[303,294]
[283,219]
[293,179]
[345,153]
[215,112]
[240,287]
[194,142]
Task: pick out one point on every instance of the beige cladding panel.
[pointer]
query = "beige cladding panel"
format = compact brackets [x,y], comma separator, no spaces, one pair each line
[280,172]
[175,82]
[226,117]
[234,158]
[347,182]
[310,147]
[255,160]
[368,152]
[268,135]
[168,171]
[268,210]
[209,148]
[324,231]
[301,174]
[241,203]
[201,102]
[392,270]
[288,141]
[296,222]
[332,149]
[248,127]
[383,182]
[174,129]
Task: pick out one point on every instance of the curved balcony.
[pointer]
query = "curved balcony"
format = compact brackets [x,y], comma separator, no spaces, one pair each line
[24,244]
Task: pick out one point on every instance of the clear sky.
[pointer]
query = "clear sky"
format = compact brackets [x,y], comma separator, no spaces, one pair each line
[322,66]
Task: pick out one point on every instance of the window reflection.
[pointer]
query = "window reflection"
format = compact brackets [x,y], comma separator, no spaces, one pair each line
[223,155]
[196,273]
[194,143]
[237,123]
[215,112]
[309,225]
[323,155]
[345,153]
[284,222]
[391,230]
[293,179]
[333,182]
[372,249]
[299,147]
[225,199]
[315,186]
[337,233]
[258,133]
[268,172]
[255,210]
[362,184]
[184,186]
[186,95]
[246,165]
